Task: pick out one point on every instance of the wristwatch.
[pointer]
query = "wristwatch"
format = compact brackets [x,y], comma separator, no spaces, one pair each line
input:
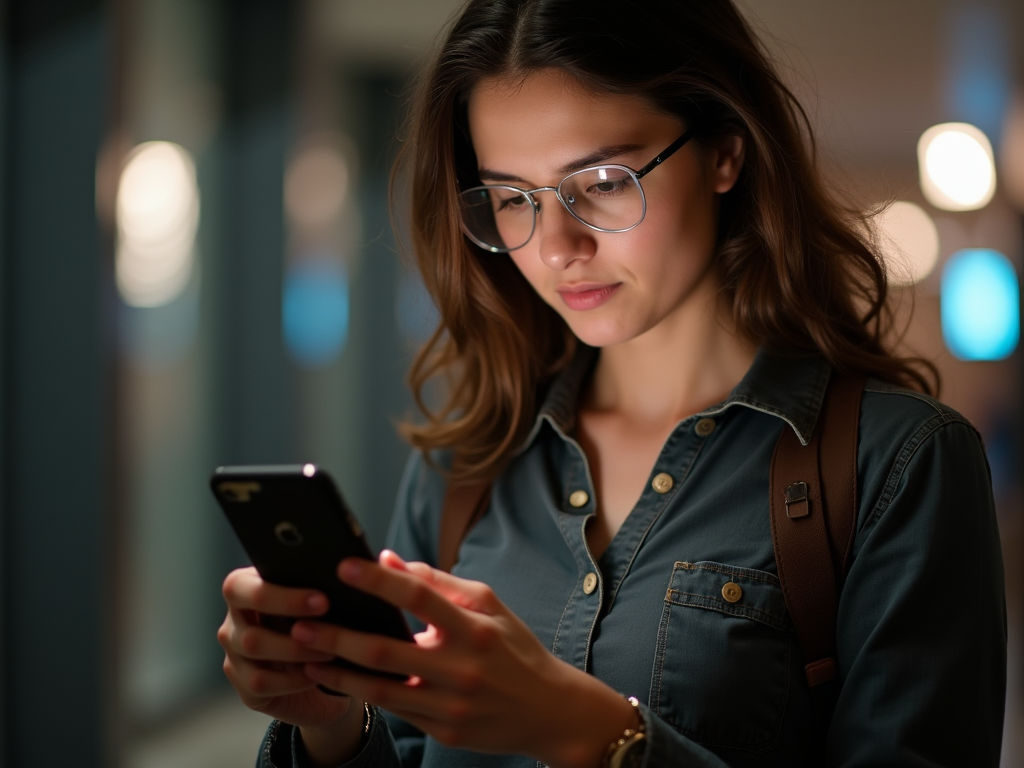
[628,751]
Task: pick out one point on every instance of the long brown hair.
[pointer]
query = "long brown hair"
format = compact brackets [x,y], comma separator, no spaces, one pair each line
[798,266]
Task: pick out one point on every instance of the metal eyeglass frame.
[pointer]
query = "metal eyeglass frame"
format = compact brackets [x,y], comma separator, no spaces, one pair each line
[535,205]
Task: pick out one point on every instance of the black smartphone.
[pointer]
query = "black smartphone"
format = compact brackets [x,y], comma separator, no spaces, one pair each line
[296,528]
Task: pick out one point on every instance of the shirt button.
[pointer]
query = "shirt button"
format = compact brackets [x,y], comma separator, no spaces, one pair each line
[579,498]
[732,592]
[589,583]
[704,427]
[662,482]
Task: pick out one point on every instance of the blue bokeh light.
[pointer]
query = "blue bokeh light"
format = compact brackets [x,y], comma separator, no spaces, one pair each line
[980,305]
[315,310]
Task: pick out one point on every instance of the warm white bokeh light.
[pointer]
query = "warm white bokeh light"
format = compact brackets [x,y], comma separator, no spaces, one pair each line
[157,217]
[316,184]
[910,242]
[958,171]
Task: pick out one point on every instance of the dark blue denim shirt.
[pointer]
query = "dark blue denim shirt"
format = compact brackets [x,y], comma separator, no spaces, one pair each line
[921,629]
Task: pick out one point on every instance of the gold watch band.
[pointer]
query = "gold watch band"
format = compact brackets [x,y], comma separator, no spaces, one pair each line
[620,750]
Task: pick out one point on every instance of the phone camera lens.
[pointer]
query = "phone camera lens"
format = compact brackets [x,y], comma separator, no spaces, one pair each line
[288,534]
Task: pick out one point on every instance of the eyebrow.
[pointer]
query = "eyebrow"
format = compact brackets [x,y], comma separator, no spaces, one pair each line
[594,158]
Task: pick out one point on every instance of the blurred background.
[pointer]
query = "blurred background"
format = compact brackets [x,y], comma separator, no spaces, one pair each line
[198,268]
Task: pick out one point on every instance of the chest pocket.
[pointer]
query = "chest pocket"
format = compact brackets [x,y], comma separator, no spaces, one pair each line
[722,664]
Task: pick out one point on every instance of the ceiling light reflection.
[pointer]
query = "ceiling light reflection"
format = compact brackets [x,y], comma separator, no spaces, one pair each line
[157,217]
[957,167]
[910,242]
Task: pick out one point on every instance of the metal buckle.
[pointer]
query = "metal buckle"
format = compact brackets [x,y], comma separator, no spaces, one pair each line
[796,493]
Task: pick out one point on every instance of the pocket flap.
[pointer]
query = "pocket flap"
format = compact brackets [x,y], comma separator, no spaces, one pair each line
[728,589]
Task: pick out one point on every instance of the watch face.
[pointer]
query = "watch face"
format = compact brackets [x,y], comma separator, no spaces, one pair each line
[630,754]
[634,756]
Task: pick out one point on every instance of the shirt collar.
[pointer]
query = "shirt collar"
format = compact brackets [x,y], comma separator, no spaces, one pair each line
[790,388]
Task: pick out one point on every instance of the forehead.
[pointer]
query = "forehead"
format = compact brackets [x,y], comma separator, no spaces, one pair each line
[548,119]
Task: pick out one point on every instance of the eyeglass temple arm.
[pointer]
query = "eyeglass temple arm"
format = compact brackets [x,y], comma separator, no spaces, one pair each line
[666,154]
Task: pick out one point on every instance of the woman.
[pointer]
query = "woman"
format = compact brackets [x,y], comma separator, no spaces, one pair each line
[626,334]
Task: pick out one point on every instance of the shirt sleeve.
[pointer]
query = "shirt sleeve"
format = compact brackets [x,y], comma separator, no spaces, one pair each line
[922,618]
[282,747]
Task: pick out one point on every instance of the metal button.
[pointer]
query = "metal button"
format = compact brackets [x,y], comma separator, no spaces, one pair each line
[704,427]
[579,498]
[732,592]
[662,482]
[589,583]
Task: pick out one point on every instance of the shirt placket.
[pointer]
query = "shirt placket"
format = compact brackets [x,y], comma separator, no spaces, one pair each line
[596,585]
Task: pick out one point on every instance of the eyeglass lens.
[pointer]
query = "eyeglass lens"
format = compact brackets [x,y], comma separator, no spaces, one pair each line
[502,218]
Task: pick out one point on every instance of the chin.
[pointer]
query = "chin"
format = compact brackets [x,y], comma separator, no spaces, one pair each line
[600,334]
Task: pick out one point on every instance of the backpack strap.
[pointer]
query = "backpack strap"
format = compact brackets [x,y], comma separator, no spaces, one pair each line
[464,504]
[812,496]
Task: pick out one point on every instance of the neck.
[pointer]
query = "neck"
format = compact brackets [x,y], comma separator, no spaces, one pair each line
[688,362]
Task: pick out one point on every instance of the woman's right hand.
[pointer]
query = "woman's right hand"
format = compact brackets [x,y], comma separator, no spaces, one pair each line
[266,667]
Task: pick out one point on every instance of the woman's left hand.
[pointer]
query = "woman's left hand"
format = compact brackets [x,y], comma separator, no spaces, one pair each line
[479,678]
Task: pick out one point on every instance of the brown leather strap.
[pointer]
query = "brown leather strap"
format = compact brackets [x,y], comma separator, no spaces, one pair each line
[839,425]
[463,506]
[812,496]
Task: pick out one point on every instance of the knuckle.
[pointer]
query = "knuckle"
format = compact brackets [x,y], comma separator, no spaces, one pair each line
[224,634]
[419,597]
[486,597]
[484,635]
[470,680]
[377,654]
[259,682]
[249,642]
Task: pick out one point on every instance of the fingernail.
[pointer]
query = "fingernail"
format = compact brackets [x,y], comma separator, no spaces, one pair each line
[303,633]
[317,603]
[351,569]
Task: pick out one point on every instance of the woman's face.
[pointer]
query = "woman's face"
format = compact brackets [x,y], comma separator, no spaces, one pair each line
[609,288]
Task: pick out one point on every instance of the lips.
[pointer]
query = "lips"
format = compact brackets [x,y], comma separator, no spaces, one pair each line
[583,296]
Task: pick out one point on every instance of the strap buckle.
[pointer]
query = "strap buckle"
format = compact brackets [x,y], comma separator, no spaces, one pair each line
[795,494]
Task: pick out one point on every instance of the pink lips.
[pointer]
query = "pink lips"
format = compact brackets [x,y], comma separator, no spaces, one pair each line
[584,296]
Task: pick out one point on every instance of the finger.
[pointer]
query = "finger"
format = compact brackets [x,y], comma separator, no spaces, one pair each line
[257,680]
[244,590]
[366,649]
[404,590]
[260,644]
[473,595]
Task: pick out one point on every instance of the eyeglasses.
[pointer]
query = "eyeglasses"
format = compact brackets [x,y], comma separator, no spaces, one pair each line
[607,198]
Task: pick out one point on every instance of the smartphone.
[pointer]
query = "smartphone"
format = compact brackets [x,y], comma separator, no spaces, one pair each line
[296,528]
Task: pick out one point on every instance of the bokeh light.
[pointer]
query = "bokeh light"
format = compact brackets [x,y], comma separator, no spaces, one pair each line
[157,216]
[980,305]
[315,309]
[909,240]
[957,167]
[316,184]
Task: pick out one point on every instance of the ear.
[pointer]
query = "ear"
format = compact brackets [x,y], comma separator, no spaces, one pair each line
[728,162]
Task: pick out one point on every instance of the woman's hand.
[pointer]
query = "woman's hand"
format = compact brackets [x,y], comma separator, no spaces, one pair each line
[265,666]
[478,677]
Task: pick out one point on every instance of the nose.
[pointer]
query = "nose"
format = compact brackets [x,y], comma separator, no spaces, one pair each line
[563,239]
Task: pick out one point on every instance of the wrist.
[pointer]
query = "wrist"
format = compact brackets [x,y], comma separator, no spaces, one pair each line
[588,718]
[340,742]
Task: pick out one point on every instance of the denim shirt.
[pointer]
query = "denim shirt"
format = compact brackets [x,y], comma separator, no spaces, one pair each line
[921,629]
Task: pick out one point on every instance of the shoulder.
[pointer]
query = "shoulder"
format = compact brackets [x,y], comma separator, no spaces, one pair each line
[902,430]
